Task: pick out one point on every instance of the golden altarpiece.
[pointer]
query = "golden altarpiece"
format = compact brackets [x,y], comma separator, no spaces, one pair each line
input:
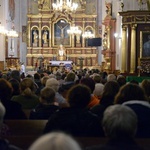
[135,41]
[48,30]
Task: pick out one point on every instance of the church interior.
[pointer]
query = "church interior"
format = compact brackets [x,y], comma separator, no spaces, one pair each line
[107,35]
[78,67]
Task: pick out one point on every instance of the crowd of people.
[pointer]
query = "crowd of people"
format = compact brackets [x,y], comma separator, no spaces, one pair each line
[80,103]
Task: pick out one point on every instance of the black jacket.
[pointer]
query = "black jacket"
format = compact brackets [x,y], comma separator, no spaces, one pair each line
[43,111]
[76,122]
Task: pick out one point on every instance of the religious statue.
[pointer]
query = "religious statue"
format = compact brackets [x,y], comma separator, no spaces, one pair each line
[44,37]
[61,53]
[35,37]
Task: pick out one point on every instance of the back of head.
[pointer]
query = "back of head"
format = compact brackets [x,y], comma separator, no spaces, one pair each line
[37,76]
[119,122]
[70,76]
[15,74]
[146,86]
[88,82]
[47,95]
[55,141]
[44,80]
[79,96]
[110,90]
[5,90]
[52,83]
[16,86]
[98,89]
[111,77]
[27,86]
[121,80]
[130,92]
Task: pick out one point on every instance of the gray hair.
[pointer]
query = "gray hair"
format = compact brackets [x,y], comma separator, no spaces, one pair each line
[119,121]
[2,113]
[111,77]
[55,141]
[52,83]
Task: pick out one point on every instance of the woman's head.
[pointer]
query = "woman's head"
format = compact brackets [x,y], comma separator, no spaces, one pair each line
[79,96]
[27,86]
[130,92]
[5,90]
[47,95]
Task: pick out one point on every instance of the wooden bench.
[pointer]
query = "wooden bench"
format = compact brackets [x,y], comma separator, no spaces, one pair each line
[26,127]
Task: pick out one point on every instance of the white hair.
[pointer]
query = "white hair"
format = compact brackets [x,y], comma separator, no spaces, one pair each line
[98,89]
[52,83]
[111,77]
[55,141]
[119,121]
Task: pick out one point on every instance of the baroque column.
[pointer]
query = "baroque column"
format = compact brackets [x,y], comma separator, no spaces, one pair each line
[133,49]
[124,50]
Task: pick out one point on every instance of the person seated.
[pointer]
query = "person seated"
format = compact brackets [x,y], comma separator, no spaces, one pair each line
[133,96]
[76,119]
[54,84]
[27,98]
[13,109]
[60,141]
[120,125]
[91,84]
[47,105]
[4,143]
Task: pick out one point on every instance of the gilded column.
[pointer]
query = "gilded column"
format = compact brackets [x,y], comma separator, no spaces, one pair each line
[133,49]
[108,37]
[50,33]
[29,33]
[124,50]
[73,42]
[40,29]
[83,39]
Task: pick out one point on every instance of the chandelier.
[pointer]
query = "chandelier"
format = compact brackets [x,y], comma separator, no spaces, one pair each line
[88,34]
[74,30]
[11,33]
[64,6]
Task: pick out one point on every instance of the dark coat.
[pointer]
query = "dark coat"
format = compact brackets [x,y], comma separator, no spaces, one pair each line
[142,110]
[13,110]
[76,122]
[117,144]
[43,111]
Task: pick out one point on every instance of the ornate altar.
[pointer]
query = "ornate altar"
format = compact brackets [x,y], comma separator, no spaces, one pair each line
[135,41]
[48,30]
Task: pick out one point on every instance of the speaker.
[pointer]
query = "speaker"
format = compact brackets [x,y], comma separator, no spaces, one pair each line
[95,42]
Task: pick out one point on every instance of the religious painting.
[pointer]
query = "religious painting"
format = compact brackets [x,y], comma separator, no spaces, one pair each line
[60,33]
[145,44]
[24,34]
[91,7]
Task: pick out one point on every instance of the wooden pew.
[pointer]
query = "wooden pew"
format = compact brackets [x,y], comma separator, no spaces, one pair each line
[26,127]
[25,142]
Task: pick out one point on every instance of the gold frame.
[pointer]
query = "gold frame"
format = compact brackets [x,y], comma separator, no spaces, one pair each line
[53,33]
[143,38]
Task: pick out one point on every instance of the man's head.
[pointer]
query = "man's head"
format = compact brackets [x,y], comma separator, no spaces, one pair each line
[119,122]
